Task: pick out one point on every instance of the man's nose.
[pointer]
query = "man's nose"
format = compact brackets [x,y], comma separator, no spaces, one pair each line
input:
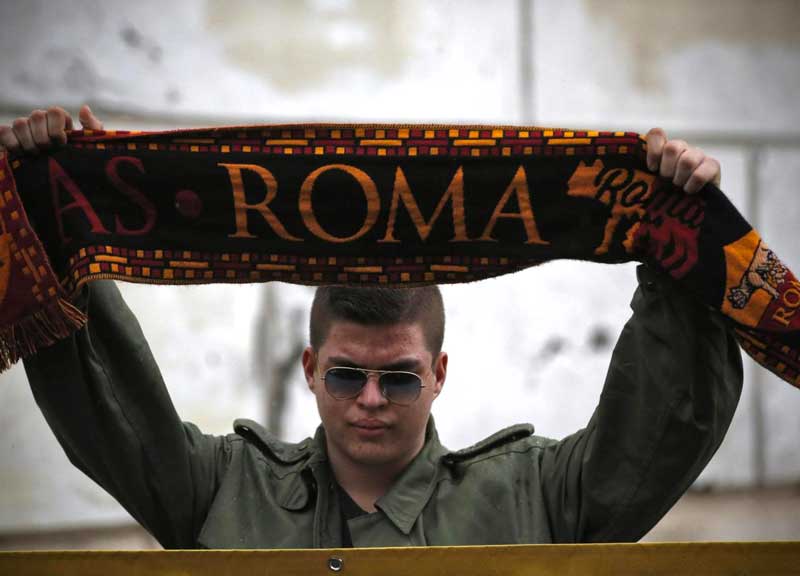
[371,396]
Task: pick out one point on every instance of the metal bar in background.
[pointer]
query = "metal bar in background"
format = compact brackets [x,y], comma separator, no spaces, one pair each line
[759,439]
[527,108]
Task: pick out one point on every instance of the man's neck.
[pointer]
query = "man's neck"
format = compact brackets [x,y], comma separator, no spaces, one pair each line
[366,483]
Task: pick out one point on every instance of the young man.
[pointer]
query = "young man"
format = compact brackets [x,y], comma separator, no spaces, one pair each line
[375,474]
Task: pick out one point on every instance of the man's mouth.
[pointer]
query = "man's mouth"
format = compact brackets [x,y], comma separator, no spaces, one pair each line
[370,423]
[370,427]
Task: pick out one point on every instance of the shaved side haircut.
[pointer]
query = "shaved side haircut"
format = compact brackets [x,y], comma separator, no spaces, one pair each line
[378,306]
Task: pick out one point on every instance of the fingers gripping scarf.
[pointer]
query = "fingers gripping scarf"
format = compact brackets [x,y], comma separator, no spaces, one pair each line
[367,204]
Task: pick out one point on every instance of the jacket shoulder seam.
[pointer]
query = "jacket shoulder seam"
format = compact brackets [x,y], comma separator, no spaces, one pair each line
[523,446]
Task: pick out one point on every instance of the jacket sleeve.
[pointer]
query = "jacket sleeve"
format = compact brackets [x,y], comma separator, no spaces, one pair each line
[672,388]
[103,396]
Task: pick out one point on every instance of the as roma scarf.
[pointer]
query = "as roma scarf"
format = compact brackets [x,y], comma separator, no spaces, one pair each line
[367,204]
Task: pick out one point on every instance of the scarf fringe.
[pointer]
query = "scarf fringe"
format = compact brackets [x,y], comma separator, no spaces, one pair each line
[44,328]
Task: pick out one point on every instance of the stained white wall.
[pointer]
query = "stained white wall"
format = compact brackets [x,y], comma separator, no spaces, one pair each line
[529,347]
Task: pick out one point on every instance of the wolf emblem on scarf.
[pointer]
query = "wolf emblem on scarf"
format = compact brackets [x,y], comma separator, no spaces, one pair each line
[765,272]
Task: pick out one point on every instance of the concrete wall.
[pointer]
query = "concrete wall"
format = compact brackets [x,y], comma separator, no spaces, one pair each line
[529,347]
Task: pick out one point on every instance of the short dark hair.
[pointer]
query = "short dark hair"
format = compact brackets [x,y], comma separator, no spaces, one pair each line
[378,306]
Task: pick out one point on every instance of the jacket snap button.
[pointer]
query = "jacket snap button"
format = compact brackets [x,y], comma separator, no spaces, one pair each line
[335,564]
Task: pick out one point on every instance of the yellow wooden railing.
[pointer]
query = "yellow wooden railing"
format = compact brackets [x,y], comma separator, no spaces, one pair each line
[706,559]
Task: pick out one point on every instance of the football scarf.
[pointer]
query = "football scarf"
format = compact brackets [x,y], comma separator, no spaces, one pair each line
[367,205]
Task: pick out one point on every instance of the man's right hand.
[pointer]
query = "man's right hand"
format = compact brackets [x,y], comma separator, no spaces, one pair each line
[43,129]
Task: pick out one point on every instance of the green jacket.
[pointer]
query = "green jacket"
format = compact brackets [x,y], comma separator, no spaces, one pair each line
[671,391]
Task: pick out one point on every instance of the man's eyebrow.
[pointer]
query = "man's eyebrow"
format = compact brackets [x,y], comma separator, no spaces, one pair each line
[404,364]
[342,361]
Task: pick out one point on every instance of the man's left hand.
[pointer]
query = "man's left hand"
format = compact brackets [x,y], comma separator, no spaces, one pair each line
[688,167]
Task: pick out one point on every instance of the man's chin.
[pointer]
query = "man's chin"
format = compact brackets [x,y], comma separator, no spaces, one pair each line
[371,453]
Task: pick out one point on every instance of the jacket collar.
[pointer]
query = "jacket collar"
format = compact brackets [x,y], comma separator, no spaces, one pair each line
[409,494]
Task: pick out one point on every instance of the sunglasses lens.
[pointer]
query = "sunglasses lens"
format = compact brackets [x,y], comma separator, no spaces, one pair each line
[401,387]
[343,383]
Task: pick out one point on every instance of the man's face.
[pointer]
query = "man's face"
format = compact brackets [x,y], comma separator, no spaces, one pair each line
[368,429]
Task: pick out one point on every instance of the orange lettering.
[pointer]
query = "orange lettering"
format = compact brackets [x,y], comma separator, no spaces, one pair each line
[241,207]
[367,187]
[784,316]
[519,185]
[795,300]
[402,191]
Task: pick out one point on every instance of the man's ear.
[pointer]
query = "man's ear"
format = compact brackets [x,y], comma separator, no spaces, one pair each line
[310,366]
[439,373]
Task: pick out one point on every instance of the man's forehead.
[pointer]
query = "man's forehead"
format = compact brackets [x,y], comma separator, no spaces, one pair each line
[375,343]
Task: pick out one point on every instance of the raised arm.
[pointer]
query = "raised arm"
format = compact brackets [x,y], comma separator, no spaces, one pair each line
[103,396]
[670,394]
[672,388]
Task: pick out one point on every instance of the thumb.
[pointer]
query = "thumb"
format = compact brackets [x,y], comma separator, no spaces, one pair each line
[88,120]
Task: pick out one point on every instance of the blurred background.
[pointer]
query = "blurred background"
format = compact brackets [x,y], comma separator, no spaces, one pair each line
[532,347]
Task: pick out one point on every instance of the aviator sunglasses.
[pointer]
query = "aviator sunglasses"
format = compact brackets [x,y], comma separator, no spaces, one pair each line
[398,387]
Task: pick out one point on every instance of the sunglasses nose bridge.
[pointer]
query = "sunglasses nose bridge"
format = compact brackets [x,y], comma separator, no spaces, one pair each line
[377,394]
